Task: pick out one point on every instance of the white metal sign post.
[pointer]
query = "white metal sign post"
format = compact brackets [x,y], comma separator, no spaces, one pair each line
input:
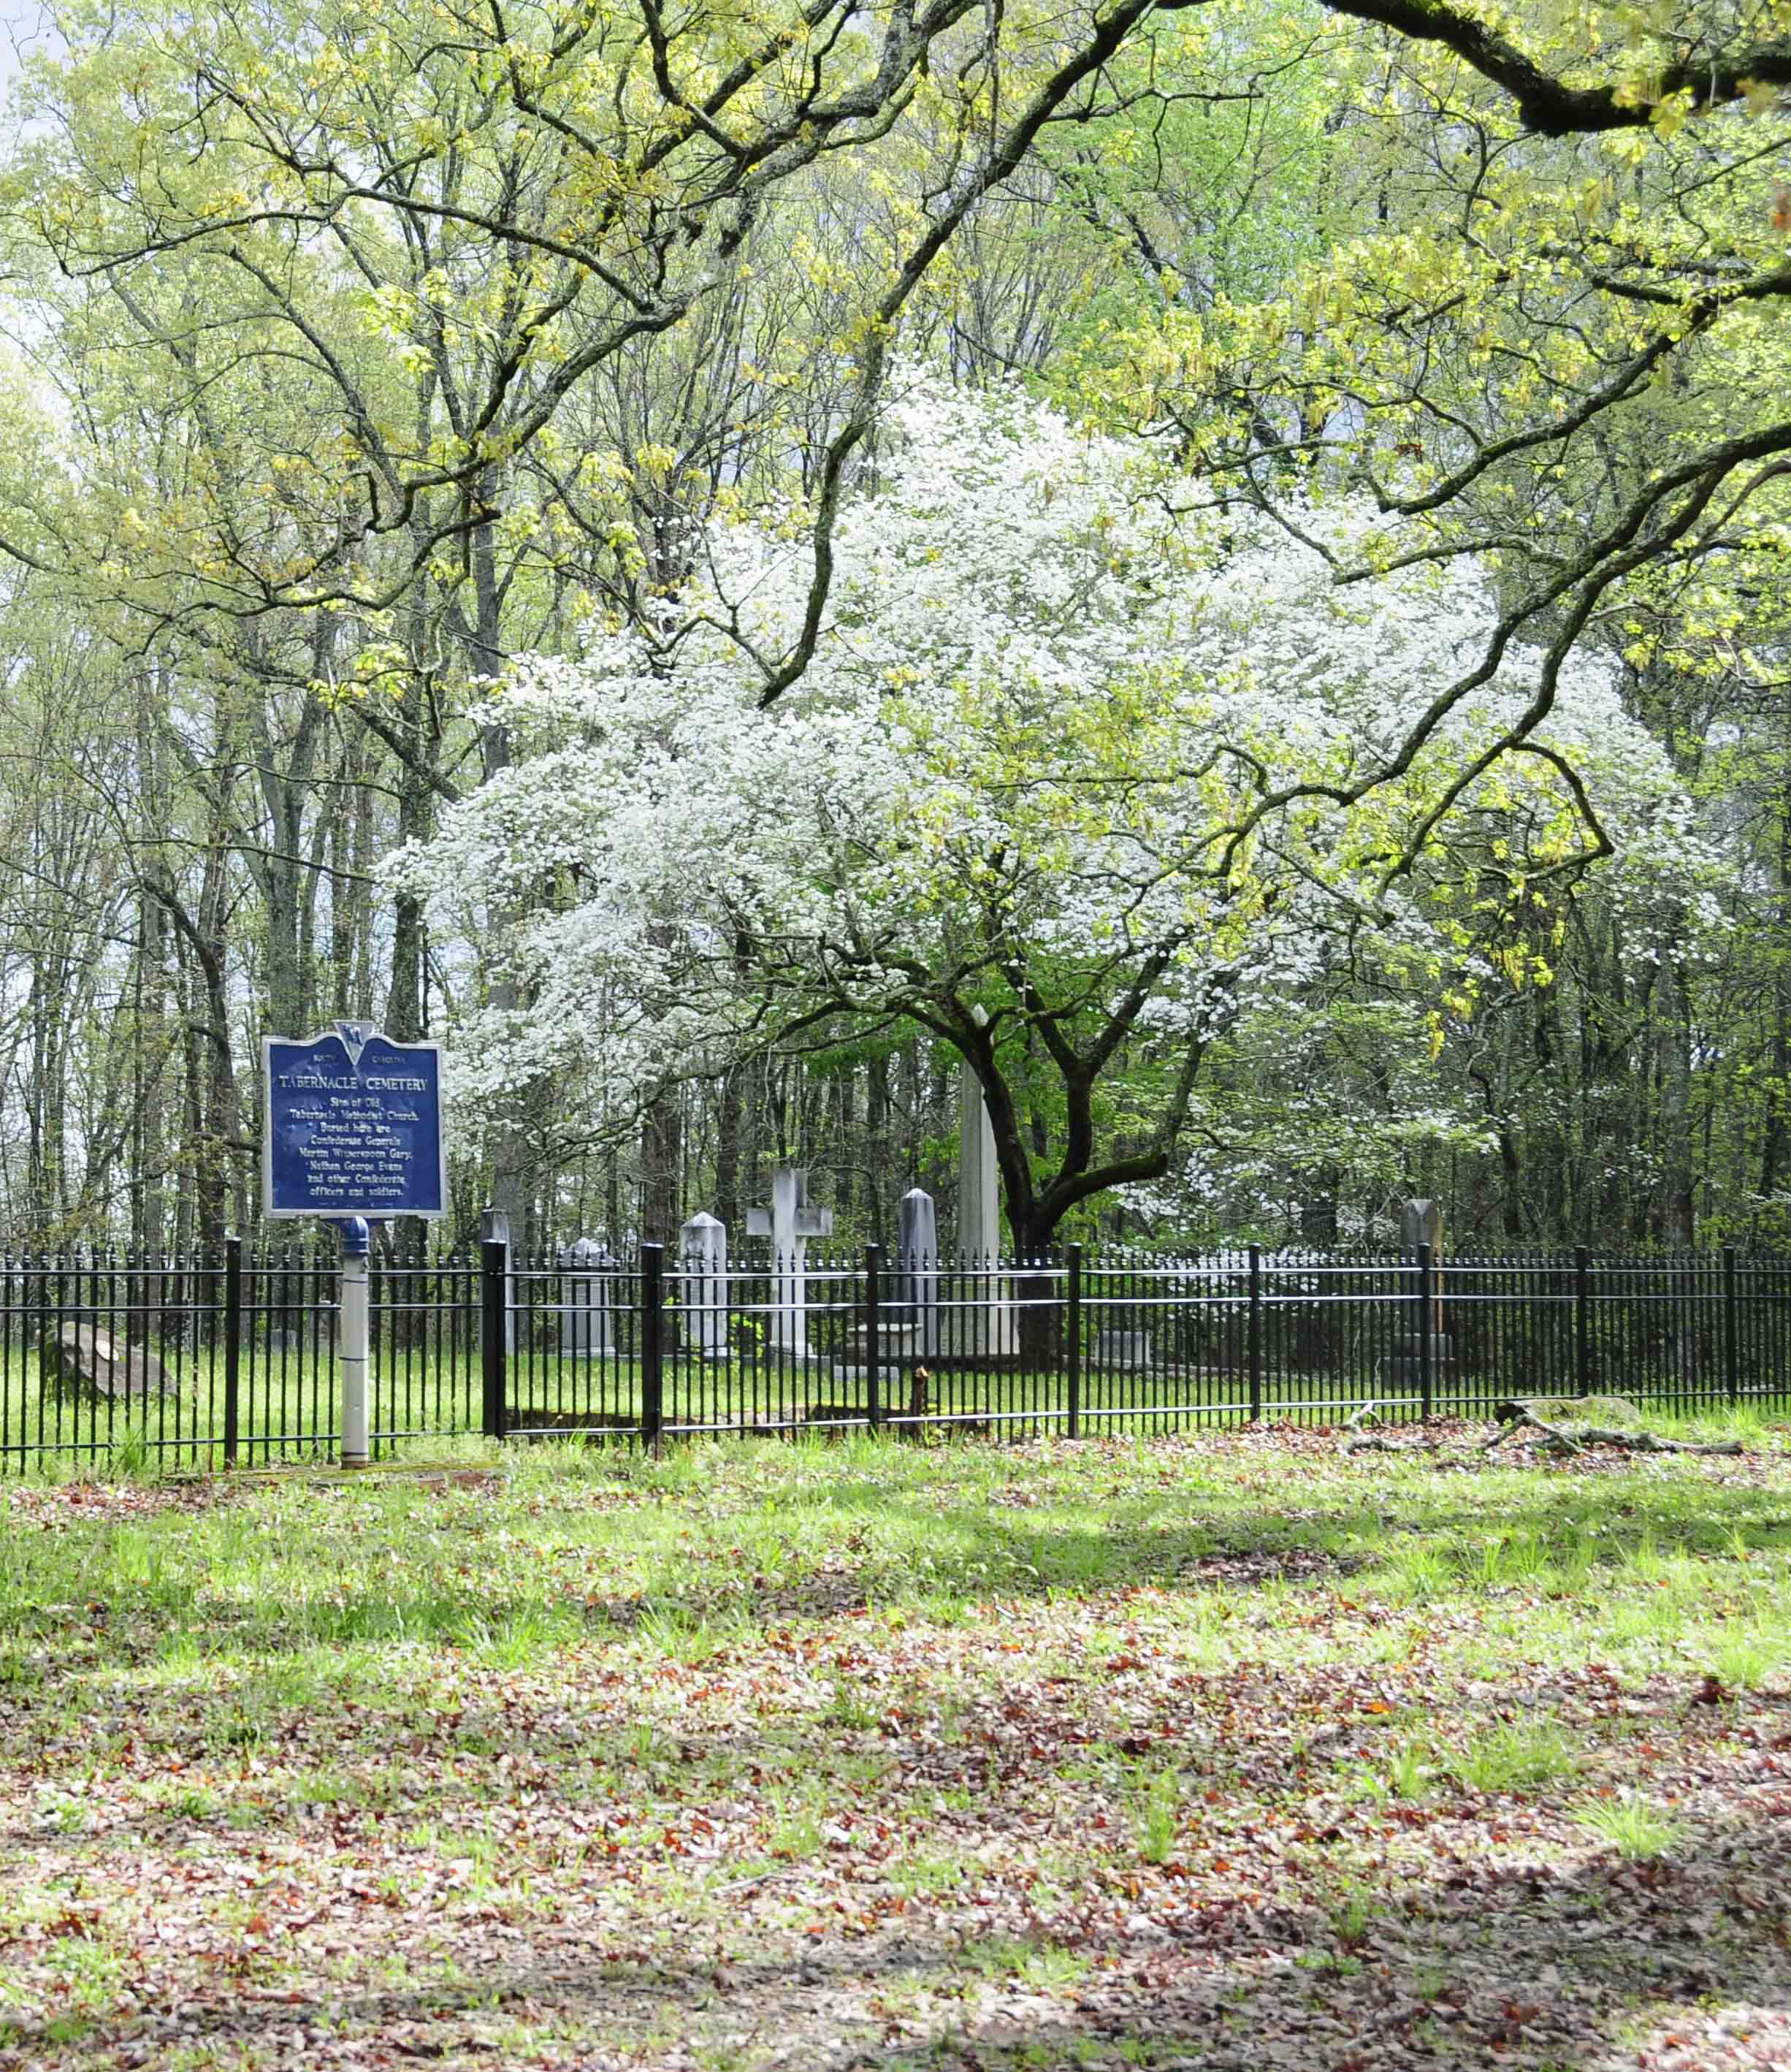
[351,1132]
[357,1242]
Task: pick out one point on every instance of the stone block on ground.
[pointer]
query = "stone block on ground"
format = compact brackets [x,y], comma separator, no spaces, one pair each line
[82,1360]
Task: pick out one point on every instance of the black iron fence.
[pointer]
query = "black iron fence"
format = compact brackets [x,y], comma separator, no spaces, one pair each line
[215,1362]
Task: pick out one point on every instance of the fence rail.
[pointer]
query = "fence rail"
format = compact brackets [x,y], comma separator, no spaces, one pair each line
[216,1361]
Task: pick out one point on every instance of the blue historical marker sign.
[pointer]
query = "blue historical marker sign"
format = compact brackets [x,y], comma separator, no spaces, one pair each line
[352,1126]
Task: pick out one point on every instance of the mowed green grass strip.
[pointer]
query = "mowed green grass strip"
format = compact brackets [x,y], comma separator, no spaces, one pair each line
[289,1408]
[1228,1750]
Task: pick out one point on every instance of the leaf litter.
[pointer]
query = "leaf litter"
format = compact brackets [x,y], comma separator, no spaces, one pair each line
[1224,1751]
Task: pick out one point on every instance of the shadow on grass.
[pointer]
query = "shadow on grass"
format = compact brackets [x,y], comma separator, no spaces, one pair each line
[75,1615]
[1478,1964]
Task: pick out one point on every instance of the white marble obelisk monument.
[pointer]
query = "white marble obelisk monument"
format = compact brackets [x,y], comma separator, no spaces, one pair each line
[985,1321]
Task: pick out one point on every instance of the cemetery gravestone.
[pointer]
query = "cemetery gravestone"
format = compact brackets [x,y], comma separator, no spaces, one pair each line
[493,1228]
[587,1309]
[916,1267]
[1123,1350]
[984,1323]
[83,1362]
[1420,1223]
[705,1285]
[789,1222]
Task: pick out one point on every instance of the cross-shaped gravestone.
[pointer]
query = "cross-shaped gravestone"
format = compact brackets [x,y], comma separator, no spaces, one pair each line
[789,1222]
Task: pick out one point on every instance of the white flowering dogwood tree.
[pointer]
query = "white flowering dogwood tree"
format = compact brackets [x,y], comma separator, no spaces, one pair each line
[1076,782]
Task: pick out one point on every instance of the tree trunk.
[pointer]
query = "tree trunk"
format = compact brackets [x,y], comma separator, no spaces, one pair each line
[727,1153]
[1678,1174]
[876,1147]
[660,1146]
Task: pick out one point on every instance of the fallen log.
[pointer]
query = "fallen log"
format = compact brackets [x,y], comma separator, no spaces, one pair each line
[1575,1438]
[1358,1439]
[1577,1409]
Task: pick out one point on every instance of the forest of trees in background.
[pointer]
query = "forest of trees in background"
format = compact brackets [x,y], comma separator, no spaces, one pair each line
[281,491]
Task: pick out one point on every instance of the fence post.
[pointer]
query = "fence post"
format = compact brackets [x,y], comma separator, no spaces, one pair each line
[652,1344]
[1582,1320]
[1254,1342]
[232,1345]
[1426,1343]
[873,1338]
[494,1254]
[1732,1327]
[1072,1324]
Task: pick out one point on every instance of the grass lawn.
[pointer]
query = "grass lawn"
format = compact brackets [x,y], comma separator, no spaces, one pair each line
[289,1402]
[1224,1750]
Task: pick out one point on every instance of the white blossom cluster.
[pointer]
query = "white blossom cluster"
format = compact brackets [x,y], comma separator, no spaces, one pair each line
[1023,765]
